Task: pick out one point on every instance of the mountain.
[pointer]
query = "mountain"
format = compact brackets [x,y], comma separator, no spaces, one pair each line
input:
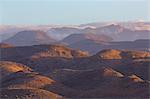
[120,33]
[73,38]
[123,31]
[61,33]
[131,35]
[117,31]
[111,29]
[117,66]
[33,37]
[93,46]
[7,31]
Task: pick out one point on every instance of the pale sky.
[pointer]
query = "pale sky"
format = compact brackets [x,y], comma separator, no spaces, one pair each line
[38,12]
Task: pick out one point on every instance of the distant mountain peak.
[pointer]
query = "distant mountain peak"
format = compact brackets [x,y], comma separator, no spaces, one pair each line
[30,37]
[113,26]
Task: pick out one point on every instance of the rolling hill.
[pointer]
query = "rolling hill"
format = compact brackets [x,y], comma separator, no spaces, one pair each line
[60,72]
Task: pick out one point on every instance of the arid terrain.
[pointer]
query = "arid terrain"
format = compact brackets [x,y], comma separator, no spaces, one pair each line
[89,61]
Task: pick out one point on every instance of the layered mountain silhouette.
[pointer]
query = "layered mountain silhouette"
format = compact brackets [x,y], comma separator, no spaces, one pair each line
[108,32]
[119,31]
[116,31]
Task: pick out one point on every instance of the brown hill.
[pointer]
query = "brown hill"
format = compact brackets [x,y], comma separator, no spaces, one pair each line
[39,51]
[124,54]
[8,68]
[59,51]
[67,76]
[25,79]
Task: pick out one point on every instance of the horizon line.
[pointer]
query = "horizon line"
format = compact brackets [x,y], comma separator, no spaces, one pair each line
[76,24]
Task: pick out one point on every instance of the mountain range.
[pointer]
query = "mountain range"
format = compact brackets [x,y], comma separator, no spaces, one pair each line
[136,30]
[106,60]
[90,42]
